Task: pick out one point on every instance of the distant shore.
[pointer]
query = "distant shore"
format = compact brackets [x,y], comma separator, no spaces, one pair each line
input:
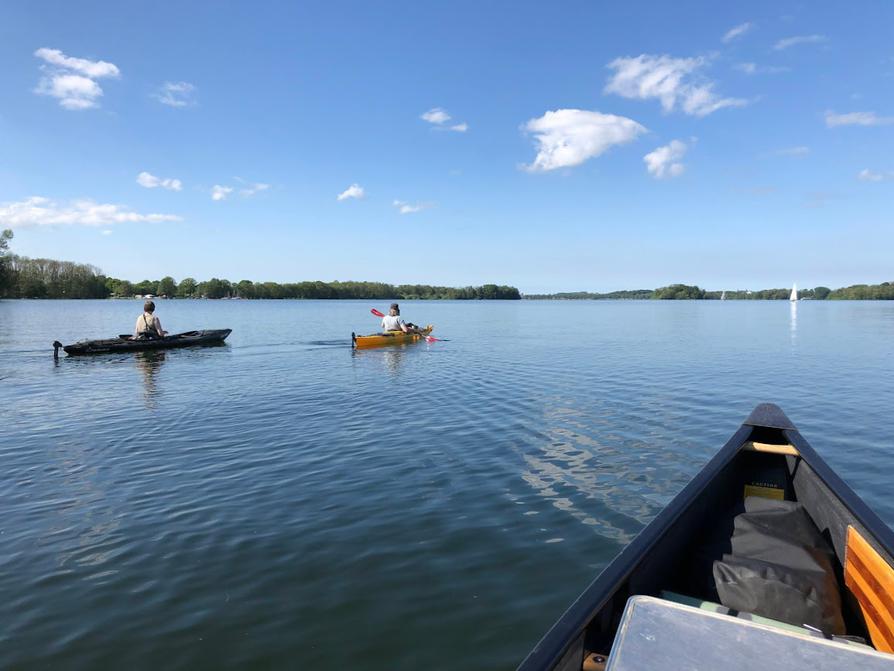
[883,291]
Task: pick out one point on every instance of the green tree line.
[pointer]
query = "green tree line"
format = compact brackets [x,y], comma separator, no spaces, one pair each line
[21,277]
[883,291]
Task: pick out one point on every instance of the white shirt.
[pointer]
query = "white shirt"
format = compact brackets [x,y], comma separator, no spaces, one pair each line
[144,321]
[390,323]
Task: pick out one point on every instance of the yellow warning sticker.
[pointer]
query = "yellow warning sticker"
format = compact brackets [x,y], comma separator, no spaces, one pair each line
[765,492]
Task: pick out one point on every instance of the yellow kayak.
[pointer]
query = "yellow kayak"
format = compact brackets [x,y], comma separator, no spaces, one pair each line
[389,338]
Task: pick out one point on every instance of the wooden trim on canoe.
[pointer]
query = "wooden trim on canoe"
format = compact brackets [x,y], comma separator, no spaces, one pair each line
[871,580]
[754,446]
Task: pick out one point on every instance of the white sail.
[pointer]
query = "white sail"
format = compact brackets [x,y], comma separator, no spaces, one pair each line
[723,295]
[794,295]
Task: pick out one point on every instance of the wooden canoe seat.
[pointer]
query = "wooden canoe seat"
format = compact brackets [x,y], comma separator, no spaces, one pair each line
[772,448]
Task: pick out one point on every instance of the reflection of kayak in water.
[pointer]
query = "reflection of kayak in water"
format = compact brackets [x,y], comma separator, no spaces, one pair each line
[128,344]
[389,338]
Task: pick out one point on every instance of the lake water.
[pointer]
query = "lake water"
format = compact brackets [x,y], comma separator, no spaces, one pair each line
[285,502]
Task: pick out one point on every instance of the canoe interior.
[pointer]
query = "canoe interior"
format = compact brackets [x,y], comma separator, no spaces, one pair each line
[676,551]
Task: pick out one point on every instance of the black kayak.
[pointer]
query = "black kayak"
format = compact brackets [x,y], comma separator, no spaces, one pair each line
[766,541]
[125,343]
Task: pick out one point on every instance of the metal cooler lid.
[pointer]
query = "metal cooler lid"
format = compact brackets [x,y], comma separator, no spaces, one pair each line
[659,635]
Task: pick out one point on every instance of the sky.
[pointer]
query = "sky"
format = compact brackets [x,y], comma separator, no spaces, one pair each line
[551,146]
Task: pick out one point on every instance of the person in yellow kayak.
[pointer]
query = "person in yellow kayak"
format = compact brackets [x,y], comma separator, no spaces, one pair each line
[393,322]
[148,325]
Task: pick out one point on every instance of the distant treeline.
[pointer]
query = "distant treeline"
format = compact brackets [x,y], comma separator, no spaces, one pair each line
[21,277]
[635,294]
[883,291]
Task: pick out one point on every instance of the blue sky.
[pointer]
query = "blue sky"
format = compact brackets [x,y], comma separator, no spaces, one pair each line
[589,146]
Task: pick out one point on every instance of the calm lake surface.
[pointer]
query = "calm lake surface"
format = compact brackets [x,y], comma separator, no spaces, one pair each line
[284,502]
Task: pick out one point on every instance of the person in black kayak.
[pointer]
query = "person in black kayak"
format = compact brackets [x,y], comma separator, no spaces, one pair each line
[148,325]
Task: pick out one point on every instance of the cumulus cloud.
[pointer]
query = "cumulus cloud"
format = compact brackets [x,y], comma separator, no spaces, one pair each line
[72,80]
[219,192]
[438,117]
[868,175]
[91,69]
[787,42]
[672,81]
[568,137]
[39,211]
[737,31]
[409,208]
[665,161]
[857,119]
[353,191]
[150,181]
[176,94]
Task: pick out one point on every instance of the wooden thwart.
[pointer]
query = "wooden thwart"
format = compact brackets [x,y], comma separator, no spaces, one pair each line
[871,580]
[754,446]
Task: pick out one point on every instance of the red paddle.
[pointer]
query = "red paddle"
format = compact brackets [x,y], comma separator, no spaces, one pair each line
[428,338]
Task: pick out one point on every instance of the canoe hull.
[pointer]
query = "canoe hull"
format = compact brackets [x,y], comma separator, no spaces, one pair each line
[388,338]
[660,558]
[110,345]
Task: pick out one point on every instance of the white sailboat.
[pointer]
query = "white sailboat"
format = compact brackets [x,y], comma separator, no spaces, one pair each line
[723,295]
[794,294]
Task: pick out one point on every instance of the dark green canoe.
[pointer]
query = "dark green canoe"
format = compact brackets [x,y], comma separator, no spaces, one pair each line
[766,532]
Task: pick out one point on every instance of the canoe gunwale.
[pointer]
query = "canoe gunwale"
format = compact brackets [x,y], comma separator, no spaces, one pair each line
[556,650]
[573,624]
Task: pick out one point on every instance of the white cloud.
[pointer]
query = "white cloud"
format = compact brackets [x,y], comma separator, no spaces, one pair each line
[150,181]
[353,191]
[568,137]
[738,31]
[793,151]
[91,69]
[665,161]
[107,231]
[798,39]
[409,208]
[219,192]
[755,69]
[857,119]
[71,80]
[252,189]
[176,94]
[868,175]
[436,115]
[39,211]
[673,81]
